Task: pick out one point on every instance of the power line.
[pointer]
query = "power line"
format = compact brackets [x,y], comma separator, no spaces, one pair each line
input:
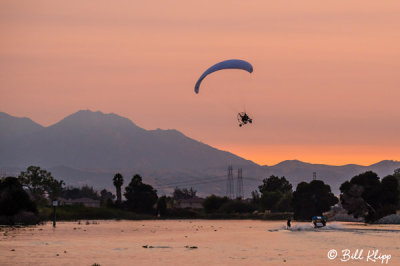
[184,182]
[252,178]
[230,192]
[197,182]
[191,184]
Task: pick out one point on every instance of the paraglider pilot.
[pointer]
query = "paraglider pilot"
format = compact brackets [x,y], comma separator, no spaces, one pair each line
[243,119]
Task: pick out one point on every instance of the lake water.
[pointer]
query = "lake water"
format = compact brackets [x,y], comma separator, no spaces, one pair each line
[199,242]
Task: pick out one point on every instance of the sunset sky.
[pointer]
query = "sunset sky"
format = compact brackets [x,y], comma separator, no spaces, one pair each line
[325,86]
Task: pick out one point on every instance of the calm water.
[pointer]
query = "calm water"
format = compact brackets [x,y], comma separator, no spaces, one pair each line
[197,242]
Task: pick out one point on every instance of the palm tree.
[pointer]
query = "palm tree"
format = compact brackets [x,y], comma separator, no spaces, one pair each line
[118,180]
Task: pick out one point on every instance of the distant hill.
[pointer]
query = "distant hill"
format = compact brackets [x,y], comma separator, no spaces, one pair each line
[298,171]
[13,127]
[89,147]
[108,142]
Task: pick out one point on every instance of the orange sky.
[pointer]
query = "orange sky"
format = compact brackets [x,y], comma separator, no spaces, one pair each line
[325,86]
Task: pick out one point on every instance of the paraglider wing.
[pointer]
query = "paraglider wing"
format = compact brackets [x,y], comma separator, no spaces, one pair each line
[227,64]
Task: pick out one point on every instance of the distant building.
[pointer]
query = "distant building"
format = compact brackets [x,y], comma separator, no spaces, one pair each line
[81,201]
[193,203]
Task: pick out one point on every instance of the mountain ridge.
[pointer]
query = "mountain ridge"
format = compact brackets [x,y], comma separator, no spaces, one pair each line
[91,146]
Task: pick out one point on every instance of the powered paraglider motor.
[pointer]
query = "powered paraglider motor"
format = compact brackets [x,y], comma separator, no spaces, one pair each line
[243,119]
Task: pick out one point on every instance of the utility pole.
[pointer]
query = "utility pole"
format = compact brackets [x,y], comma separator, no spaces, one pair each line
[314,176]
[239,187]
[229,184]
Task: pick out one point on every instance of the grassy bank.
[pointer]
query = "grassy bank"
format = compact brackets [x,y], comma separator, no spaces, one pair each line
[70,213]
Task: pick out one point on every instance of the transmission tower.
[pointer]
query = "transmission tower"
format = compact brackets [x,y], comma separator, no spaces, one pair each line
[239,187]
[229,184]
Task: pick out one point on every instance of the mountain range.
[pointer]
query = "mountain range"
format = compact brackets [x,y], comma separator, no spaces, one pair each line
[90,147]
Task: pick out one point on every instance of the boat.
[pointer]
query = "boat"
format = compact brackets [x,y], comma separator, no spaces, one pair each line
[319,221]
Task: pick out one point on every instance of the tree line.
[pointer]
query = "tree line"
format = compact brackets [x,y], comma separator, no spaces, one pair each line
[364,195]
[276,194]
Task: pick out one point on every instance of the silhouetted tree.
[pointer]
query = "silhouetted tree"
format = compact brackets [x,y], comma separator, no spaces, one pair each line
[390,190]
[397,172]
[89,192]
[140,197]
[269,200]
[255,197]
[118,181]
[285,202]
[40,182]
[274,183]
[213,203]
[390,195]
[312,199]
[106,198]
[365,196]
[162,205]
[236,206]
[397,175]
[276,194]
[14,199]
[76,193]
[184,193]
[352,200]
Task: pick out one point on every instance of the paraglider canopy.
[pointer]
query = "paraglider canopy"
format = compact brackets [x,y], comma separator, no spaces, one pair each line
[227,64]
